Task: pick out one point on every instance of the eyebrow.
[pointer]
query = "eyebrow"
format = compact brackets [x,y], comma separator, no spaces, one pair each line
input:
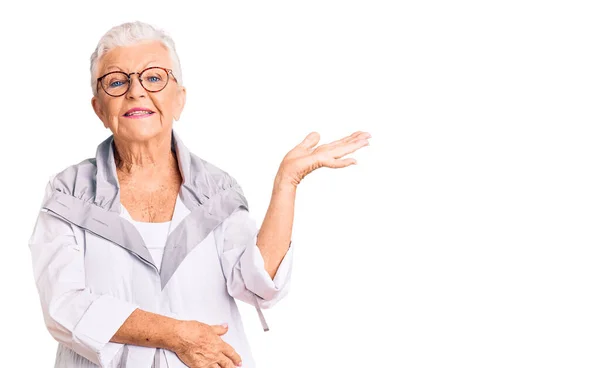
[118,68]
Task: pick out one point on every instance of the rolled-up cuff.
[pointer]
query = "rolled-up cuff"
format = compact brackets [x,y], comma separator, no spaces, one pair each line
[98,325]
[257,279]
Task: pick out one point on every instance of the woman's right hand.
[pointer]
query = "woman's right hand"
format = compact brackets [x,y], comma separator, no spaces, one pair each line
[200,345]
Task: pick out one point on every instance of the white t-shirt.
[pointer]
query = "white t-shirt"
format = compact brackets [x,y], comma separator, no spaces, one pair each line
[155,236]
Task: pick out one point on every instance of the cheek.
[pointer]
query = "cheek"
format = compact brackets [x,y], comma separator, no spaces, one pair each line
[113,110]
[111,113]
[164,105]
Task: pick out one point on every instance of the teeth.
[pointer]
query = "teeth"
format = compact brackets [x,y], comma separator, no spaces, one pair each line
[139,113]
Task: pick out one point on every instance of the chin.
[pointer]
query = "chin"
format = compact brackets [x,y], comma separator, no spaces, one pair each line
[140,130]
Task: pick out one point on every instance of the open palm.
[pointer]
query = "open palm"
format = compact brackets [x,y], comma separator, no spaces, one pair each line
[305,157]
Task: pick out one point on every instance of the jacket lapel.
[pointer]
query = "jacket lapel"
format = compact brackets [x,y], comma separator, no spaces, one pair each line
[106,224]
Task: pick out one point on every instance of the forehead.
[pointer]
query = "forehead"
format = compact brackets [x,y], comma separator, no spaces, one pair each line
[135,57]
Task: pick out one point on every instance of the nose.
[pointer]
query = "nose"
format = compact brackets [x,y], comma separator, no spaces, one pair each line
[135,88]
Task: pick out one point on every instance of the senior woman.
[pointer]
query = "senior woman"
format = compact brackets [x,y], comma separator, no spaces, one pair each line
[139,252]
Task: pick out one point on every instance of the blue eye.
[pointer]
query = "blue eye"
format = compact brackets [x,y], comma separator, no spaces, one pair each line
[116,84]
[154,79]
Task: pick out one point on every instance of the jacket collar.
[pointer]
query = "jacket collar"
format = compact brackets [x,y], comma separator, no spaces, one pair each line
[207,197]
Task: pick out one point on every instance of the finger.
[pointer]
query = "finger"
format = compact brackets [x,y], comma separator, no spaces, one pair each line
[225,362]
[220,329]
[310,141]
[338,164]
[346,139]
[358,135]
[211,365]
[348,148]
[363,136]
[230,352]
[354,136]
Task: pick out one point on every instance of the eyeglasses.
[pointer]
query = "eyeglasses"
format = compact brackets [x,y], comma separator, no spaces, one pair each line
[153,79]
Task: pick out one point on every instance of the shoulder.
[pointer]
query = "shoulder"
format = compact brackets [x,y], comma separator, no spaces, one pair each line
[211,178]
[75,179]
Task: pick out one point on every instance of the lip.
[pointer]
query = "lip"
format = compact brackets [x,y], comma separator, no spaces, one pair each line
[134,109]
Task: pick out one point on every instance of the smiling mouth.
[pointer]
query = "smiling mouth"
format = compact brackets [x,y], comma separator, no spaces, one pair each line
[139,114]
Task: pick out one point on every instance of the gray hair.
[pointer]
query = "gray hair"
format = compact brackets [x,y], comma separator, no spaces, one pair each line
[128,34]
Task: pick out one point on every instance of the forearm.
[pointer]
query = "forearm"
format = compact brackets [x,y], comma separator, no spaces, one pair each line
[275,233]
[148,329]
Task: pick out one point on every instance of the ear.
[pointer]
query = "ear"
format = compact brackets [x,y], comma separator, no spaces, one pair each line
[97,106]
[179,103]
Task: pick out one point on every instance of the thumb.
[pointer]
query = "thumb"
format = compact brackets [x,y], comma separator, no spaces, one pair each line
[311,140]
[220,329]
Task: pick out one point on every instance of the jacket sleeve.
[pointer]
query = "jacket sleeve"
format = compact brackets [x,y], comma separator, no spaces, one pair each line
[243,265]
[77,318]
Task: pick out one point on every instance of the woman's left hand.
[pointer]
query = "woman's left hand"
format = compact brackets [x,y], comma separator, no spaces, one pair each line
[305,158]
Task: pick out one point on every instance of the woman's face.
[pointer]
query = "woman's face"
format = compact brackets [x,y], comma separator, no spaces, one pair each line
[165,105]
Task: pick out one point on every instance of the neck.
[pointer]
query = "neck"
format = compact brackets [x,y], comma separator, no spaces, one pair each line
[152,157]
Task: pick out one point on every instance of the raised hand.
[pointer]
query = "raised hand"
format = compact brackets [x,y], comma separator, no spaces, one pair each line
[305,158]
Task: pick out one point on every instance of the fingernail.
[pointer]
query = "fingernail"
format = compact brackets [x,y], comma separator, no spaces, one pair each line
[225,325]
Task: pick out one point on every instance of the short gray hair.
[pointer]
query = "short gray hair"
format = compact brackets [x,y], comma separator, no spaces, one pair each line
[128,34]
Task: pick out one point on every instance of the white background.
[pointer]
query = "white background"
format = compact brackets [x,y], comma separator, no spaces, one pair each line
[466,236]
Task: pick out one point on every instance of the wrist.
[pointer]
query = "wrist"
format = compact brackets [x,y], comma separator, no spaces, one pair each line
[284,185]
[284,180]
[173,339]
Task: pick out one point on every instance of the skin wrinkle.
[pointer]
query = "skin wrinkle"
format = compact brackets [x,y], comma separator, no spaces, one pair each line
[111,68]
